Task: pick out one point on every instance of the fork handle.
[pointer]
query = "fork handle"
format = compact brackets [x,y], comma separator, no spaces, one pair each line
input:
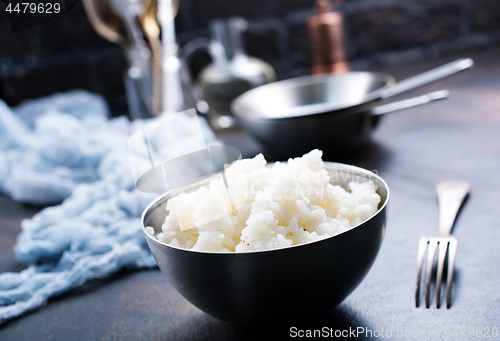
[451,195]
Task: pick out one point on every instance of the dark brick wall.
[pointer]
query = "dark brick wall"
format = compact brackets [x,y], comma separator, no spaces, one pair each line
[392,24]
[60,55]
[378,31]
[485,15]
[66,53]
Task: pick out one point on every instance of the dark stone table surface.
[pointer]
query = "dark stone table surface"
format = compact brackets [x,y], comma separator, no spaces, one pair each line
[412,150]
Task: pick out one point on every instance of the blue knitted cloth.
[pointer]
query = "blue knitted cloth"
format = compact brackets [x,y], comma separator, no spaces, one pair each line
[64,148]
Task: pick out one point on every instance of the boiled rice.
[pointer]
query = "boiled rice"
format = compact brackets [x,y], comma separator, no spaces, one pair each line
[267,207]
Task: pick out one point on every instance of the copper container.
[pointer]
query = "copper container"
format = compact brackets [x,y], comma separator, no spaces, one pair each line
[326,34]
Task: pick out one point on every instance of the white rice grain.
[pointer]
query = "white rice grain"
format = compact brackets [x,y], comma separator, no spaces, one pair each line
[287,204]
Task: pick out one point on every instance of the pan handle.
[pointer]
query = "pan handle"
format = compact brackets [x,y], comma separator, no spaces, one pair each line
[408,103]
[429,76]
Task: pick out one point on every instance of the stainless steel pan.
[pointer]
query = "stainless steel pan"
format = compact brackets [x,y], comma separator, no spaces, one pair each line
[335,113]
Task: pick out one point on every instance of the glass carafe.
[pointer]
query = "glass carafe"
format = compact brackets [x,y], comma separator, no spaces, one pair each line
[232,71]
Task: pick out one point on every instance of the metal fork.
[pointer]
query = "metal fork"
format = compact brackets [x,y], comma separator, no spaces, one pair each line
[451,195]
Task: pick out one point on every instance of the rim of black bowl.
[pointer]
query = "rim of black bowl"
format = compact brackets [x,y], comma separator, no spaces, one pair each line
[159,201]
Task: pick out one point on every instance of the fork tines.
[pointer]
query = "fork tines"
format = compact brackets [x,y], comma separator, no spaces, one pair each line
[445,243]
